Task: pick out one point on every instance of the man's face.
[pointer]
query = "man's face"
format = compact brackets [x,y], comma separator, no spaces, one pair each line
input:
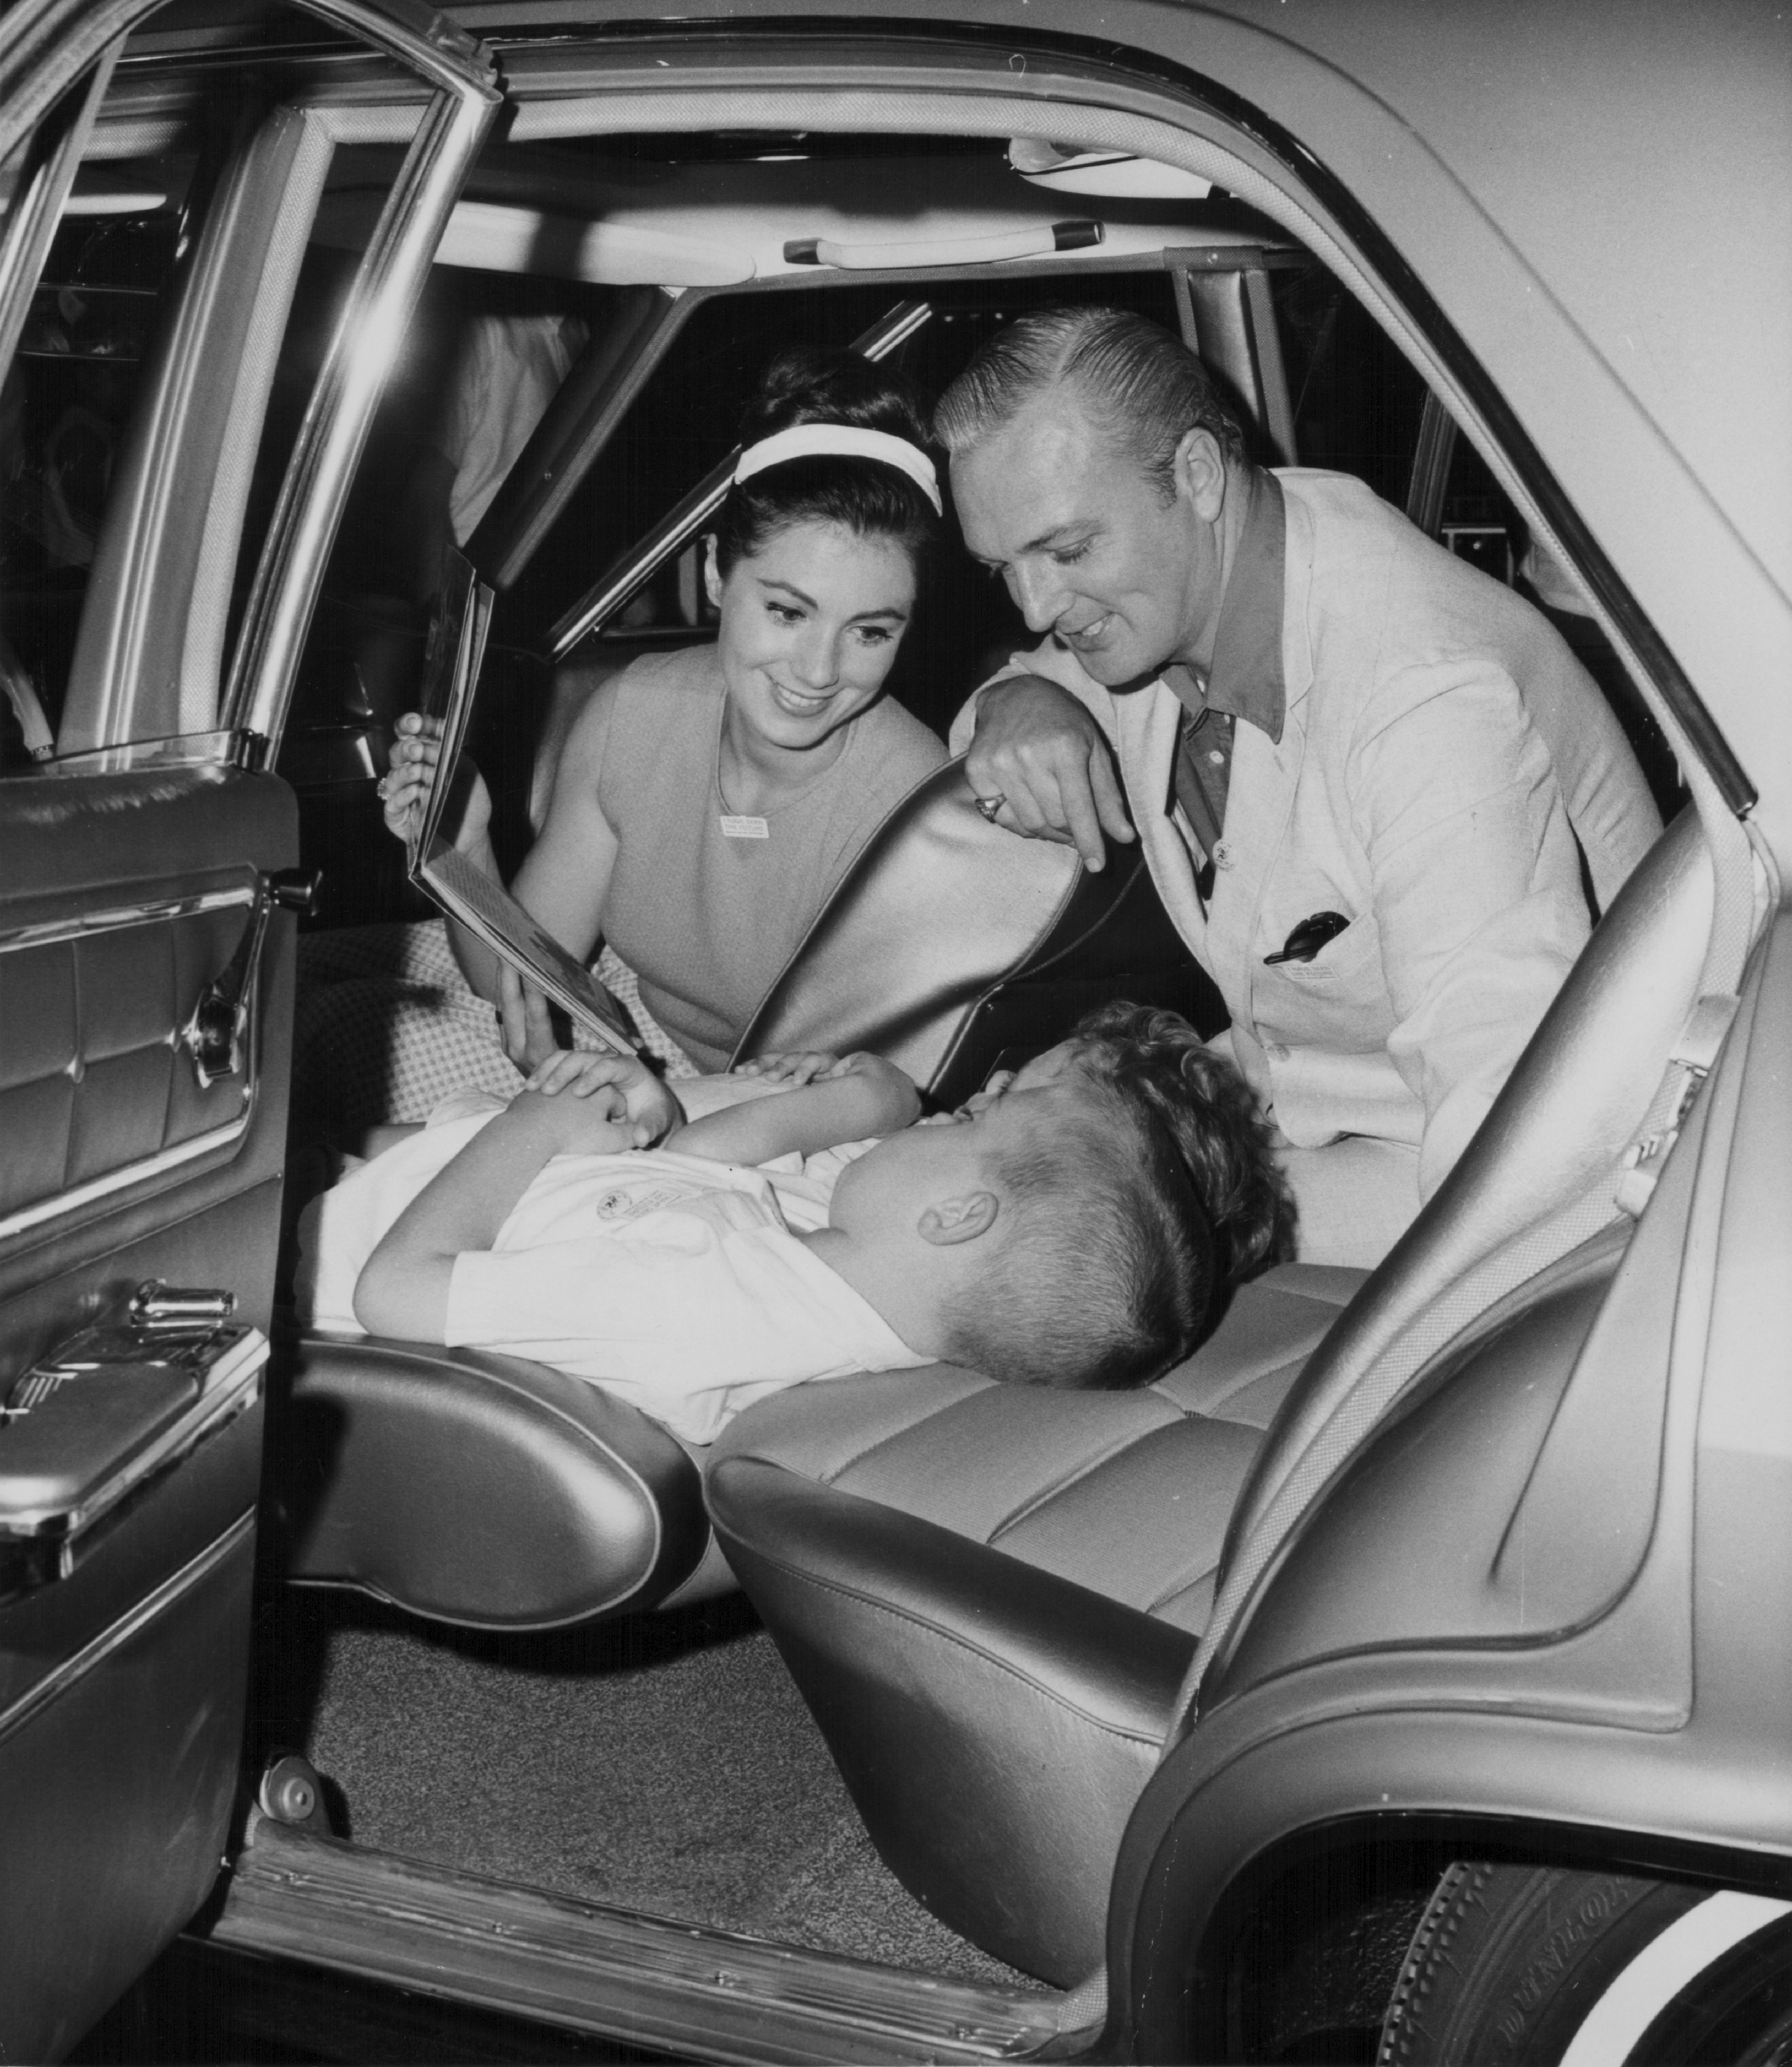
[1086,544]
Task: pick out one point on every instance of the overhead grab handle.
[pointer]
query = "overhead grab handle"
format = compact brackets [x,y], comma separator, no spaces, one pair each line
[1035,240]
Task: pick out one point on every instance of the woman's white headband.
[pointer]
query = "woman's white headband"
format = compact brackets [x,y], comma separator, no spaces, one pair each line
[811,440]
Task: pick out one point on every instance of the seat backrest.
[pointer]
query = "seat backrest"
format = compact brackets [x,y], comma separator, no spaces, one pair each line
[950,942]
[1537,1178]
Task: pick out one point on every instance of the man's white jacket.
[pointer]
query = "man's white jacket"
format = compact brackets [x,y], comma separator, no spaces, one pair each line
[1442,753]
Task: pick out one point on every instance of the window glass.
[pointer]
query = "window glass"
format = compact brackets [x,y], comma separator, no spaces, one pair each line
[133,413]
[65,411]
[687,417]
[1356,401]
[1358,406]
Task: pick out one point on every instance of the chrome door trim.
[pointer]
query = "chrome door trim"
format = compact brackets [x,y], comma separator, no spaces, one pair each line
[119,917]
[188,749]
[230,1384]
[58,1680]
[329,441]
[45,46]
[157,1165]
[36,211]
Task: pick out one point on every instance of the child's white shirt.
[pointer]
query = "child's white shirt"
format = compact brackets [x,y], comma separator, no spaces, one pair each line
[677,1283]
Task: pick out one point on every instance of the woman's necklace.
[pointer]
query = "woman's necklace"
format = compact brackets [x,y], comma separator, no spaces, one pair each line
[735,825]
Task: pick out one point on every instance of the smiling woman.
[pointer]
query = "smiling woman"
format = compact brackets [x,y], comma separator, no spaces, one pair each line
[706,799]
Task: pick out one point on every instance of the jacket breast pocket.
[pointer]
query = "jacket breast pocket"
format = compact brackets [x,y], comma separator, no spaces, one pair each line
[1339,998]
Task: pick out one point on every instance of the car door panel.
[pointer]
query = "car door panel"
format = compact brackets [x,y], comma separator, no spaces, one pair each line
[146,977]
[87,1894]
[125,897]
[123,1678]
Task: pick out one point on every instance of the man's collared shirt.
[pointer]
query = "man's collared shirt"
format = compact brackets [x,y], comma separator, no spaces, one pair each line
[1246,679]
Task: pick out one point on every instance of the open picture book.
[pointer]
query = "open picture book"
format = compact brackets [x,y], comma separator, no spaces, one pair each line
[452,658]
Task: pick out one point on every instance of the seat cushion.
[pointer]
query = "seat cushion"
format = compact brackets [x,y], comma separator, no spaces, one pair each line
[481,1490]
[947,1679]
[1126,1493]
[995,1705]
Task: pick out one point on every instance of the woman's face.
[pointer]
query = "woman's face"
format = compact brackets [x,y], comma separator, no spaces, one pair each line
[810,626]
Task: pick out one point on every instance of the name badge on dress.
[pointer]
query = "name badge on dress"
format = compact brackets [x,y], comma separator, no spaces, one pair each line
[739,828]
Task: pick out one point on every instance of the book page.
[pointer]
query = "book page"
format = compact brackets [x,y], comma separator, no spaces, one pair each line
[468,893]
[452,658]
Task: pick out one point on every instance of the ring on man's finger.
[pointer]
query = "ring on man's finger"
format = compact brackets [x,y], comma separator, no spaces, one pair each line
[990,806]
[382,788]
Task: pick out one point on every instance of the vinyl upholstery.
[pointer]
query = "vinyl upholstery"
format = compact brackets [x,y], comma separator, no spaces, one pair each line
[913,957]
[984,1592]
[1127,1493]
[91,1079]
[481,1490]
[1147,1523]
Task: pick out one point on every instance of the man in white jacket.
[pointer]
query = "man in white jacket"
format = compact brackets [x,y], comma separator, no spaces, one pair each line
[1366,776]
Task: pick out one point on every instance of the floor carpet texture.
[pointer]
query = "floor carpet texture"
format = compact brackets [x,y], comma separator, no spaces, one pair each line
[667,1765]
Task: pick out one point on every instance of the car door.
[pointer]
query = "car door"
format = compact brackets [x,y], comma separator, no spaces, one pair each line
[162,532]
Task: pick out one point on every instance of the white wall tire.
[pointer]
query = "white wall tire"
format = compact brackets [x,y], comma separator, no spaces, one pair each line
[1517,1965]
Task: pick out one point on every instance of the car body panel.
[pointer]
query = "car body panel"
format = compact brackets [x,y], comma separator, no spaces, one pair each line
[1621,362]
[1657,1721]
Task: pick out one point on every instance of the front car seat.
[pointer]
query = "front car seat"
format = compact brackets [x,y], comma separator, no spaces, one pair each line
[1034,1702]
[496,1493]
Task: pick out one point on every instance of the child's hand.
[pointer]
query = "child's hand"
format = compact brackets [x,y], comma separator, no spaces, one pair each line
[809,1068]
[623,1085]
[898,1102]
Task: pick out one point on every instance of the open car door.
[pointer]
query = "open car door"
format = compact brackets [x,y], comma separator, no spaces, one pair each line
[172,457]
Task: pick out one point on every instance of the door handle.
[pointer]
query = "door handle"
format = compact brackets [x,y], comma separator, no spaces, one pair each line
[216,1033]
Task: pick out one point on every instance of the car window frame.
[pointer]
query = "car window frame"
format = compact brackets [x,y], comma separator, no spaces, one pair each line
[447,101]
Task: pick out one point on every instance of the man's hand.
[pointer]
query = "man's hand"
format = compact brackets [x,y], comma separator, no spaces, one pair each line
[1038,750]
[628,1088]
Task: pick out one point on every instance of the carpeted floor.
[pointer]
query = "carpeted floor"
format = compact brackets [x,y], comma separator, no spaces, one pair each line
[667,1765]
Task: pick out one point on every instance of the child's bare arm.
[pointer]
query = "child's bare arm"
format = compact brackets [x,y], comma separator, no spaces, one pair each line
[844,1101]
[403,1287]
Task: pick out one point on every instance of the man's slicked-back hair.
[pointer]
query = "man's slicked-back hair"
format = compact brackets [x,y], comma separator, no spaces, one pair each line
[1139,384]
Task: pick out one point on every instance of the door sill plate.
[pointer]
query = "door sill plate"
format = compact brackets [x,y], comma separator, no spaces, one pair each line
[708,1995]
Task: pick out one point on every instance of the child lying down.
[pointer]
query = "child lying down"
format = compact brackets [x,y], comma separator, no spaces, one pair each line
[1073,1225]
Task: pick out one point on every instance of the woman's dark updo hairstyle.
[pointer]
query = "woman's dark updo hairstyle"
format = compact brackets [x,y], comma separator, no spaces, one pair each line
[803,386]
